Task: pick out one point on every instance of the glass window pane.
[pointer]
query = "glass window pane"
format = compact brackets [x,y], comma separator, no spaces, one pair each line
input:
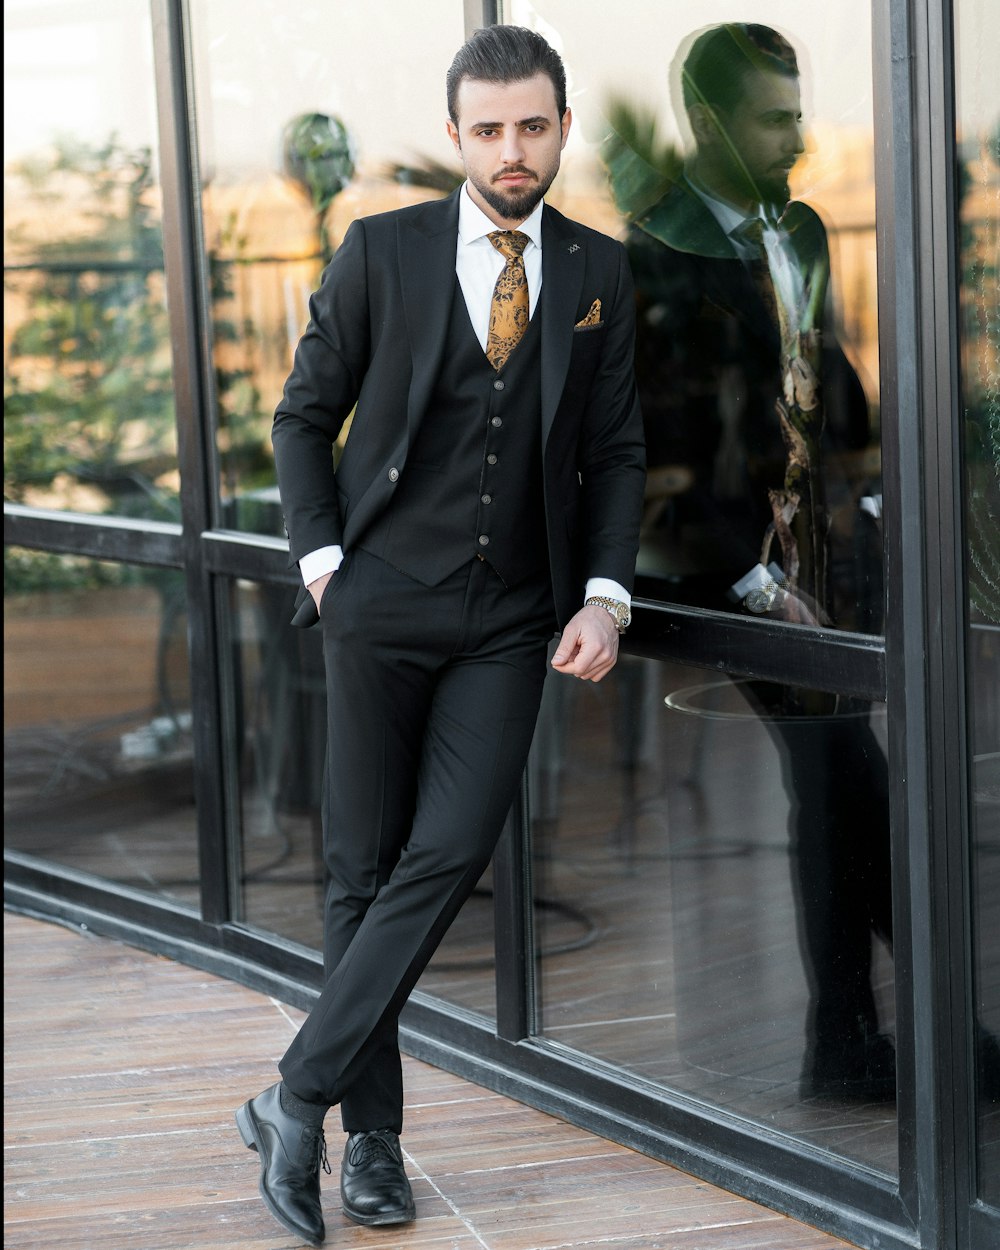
[757,353]
[462,969]
[97,721]
[298,136]
[712,893]
[279,718]
[280,736]
[89,411]
[978,181]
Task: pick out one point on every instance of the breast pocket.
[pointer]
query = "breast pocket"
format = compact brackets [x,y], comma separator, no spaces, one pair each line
[585,355]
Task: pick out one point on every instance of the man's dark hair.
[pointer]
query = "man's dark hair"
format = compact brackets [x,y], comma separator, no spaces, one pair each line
[721,60]
[504,54]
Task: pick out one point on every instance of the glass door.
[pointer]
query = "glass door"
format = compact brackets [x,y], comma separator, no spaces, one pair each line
[978,235]
[711,850]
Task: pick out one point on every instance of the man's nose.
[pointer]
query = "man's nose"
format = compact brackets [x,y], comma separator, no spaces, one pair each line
[512,149]
[798,140]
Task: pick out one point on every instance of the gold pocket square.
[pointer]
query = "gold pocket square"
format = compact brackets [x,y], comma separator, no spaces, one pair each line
[593,318]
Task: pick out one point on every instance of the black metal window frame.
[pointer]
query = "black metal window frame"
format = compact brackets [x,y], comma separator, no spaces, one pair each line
[918,669]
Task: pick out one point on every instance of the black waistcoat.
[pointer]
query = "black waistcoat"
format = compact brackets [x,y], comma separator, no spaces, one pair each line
[472,482]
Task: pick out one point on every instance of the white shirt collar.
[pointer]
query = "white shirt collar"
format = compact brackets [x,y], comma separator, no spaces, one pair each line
[727,215]
[473,223]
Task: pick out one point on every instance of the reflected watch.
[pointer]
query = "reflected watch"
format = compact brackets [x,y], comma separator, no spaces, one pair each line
[620,612]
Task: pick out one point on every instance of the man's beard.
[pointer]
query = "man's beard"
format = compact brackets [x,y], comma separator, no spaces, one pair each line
[775,190]
[768,186]
[517,203]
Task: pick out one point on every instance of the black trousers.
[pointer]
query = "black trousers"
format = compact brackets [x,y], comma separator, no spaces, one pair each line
[432,697]
[836,776]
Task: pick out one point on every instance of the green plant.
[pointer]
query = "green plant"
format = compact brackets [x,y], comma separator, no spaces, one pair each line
[88,392]
[426,173]
[979,311]
[319,159]
[244,451]
[641,166]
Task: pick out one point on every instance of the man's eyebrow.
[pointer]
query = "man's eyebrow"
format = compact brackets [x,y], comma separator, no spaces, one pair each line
[540,118]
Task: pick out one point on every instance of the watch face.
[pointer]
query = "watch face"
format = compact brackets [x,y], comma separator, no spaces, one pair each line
[759,599]
[619,612]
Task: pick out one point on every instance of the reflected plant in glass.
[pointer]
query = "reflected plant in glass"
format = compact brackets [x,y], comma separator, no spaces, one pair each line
[641,167]
[87,378]
[980,277]
[243,425]
[319,158]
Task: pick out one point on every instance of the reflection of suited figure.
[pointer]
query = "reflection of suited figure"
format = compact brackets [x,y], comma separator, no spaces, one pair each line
[733,312]
[835,772]
[709,367]
[491,480]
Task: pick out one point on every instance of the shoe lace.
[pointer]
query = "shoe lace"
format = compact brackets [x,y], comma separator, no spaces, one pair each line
[373,1147]
[317,1142]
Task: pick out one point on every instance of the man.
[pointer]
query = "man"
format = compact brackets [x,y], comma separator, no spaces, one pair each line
[490,487]
[743,383]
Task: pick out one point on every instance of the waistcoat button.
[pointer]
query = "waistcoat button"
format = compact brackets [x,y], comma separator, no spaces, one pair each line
[484,540]
[490,459]
[497,421]
[393,475]
[487,499]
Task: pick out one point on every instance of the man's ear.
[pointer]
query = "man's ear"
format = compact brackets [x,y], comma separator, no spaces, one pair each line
[705,125]
[454,136]
[567,121]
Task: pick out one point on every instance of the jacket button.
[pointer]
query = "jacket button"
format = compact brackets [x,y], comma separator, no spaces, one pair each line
[491,458]
[393,475]
[497,421]
[498,384]
[487,498]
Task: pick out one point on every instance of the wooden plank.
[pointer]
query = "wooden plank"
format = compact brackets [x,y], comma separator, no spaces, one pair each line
[122,1071]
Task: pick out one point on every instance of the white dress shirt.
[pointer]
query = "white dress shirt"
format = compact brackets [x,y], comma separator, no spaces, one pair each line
[789,288]
[478,264]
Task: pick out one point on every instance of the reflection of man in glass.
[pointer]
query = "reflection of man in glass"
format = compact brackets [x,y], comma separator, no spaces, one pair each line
[750,404]
[746,389]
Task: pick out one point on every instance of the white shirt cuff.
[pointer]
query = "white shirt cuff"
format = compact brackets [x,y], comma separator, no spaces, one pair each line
[607,589]
[319,562]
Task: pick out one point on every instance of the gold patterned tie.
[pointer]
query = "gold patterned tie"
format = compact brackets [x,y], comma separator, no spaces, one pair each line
[752,232]
[509,306]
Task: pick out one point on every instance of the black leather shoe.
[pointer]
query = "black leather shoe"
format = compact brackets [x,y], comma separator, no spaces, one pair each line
[864,1071]
[291,1153]
[373,1185]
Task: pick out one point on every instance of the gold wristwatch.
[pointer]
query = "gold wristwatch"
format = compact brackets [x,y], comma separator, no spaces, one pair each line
[620,612]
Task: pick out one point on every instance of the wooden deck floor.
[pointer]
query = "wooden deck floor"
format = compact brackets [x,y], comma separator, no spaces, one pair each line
[122,1071]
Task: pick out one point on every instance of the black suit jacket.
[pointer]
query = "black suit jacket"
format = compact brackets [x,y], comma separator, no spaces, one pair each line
[373,346]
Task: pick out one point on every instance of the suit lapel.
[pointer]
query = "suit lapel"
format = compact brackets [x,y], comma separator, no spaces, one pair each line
[427,245]
[684,223]
[563,263]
